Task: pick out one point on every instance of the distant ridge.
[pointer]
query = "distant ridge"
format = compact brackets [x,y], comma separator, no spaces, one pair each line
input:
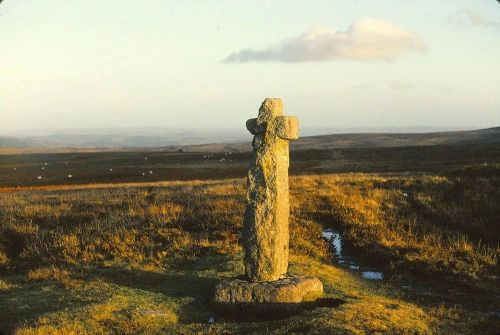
[368,140]
[482,136]
[333,141]
[14,142]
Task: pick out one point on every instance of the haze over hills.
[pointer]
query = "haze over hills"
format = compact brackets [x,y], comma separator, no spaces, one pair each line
[239,139]
[161,137]
[119,137]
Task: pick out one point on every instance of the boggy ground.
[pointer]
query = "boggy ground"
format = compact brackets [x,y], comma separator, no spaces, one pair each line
[142,258]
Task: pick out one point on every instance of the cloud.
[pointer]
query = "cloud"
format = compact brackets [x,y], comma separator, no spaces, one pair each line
[367,39]
[470,16]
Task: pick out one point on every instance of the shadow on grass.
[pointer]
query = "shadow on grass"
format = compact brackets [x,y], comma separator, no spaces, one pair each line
[253,312]
[26,302]
[189,292]
[192,295]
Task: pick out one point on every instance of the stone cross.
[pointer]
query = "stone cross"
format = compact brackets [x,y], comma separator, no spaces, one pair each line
[265,226]
[269,290]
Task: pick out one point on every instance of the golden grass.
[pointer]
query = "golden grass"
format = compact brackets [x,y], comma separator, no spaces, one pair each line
[86,225]
[97,258]
[378,218]
[116,314]
[129,306]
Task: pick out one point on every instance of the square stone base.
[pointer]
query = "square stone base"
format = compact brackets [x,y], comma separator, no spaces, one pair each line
[284,296]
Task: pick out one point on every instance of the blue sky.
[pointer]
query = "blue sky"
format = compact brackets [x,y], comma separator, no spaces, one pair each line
[73,64]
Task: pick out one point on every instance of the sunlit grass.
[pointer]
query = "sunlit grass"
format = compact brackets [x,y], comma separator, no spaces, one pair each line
[142,258]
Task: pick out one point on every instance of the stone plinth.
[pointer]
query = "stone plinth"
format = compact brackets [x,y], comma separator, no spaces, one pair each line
[269,298]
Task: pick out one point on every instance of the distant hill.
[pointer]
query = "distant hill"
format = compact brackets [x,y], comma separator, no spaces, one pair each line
[367,140]
[483,136]
[121,137]
[13,142]
[235,141]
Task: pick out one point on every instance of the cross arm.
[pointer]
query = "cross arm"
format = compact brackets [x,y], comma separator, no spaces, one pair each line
[254,128]
[287,127]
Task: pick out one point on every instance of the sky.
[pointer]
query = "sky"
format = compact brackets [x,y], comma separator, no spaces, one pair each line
[209,64]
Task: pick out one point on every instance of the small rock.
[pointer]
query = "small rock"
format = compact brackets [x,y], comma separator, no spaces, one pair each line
[153,313]
[392,306]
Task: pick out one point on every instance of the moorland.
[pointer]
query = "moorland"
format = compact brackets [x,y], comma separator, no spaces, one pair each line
[113,251]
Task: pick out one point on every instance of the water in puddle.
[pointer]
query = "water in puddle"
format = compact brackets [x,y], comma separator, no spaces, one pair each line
[372,275]
[347,261]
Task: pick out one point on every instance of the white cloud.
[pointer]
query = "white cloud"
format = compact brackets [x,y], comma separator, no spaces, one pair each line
[367,39]
[470,16]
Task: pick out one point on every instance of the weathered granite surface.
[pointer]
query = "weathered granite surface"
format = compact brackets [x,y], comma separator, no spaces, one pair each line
[265,226]
[277,297]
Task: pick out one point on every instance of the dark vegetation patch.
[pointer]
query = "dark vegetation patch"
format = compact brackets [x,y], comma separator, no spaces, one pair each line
[91,168]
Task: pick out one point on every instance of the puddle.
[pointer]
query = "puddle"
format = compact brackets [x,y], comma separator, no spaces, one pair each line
[348,261]
[372,275]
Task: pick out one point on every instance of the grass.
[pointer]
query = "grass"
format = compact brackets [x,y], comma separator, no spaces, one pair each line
[143,258]
[133,301]
[427,225]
